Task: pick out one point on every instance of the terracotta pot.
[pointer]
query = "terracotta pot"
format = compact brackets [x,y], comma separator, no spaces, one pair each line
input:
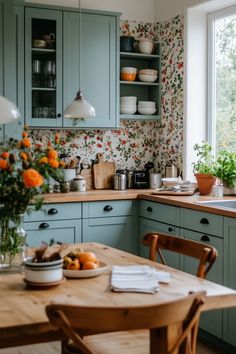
[205,183]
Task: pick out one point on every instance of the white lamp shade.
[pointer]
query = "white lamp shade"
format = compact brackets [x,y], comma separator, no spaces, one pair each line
[79,108]
[8,111]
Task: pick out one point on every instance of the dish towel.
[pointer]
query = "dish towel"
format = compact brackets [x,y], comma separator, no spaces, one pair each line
[137,278]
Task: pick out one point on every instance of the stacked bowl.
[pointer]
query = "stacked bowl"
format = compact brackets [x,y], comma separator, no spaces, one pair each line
[147,75]
[128,73]
[146,107]
[128,104]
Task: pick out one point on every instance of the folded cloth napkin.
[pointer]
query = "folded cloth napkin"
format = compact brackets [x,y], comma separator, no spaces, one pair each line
[140,278]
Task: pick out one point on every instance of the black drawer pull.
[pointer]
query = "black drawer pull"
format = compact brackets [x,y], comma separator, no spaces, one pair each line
[52,211]
[59,115]
[52,242]
[44,225]
[108,208]
[205,238]
[149,209]
[204,221]
[170,229]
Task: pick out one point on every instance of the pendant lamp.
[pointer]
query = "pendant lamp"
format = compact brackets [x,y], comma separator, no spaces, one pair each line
[79,108]
[8,111]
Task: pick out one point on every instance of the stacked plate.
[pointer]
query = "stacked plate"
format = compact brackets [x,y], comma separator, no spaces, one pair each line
[146,107]
[128,104]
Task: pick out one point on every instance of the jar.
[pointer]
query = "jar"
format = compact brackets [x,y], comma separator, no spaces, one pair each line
[120,181]
[81,183]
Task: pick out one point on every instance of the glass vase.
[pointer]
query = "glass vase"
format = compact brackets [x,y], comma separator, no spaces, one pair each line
[12,242]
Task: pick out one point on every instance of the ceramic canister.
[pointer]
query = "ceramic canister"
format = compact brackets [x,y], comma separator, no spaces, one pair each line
[81,183]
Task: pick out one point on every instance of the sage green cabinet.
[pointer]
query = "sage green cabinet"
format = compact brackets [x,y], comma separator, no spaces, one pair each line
[229,324]
[110,223]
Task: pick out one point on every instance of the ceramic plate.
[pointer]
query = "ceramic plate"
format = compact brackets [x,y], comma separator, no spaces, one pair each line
[44,285]
[86,273]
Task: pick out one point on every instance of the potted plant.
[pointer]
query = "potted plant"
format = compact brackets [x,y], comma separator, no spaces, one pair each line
[226,170]
[204,168]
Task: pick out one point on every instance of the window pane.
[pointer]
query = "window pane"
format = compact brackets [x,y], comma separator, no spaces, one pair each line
[225,83]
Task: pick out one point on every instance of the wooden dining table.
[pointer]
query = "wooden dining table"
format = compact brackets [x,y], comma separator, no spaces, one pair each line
[23,319]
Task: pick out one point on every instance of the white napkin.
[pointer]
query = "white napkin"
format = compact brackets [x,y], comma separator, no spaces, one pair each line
[141,278]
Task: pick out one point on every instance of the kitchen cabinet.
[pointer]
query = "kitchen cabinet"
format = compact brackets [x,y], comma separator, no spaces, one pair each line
[54,223]
[110,223]
[229,321]
[58,61]
[158,217]
[144,91]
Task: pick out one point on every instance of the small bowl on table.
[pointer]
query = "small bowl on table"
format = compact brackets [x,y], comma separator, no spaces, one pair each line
[43,273]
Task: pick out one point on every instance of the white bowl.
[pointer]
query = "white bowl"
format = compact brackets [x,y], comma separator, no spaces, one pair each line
[148,72]
[146,110]
[145,46]
[128,69]
[170,182]
[147,104]
[128,100]
[128,109]
[42,273]
[147,78]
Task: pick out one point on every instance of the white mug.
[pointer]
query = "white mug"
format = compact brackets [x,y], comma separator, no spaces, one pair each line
[155,180]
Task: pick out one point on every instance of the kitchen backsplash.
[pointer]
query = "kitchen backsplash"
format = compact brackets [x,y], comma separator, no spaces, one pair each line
[137,142]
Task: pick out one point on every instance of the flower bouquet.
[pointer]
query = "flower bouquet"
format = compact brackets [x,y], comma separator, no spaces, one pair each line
[24,171]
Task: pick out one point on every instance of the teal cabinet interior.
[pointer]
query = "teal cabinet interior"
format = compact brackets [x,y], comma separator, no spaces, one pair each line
[94,69]
[144,91]
[229,319]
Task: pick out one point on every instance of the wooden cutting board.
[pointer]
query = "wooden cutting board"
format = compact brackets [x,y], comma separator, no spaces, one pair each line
[103,173]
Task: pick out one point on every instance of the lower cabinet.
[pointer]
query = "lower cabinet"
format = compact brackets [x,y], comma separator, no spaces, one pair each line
[110,223]
[229,322]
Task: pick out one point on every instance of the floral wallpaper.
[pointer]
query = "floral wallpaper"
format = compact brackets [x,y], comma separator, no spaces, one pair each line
[137,142]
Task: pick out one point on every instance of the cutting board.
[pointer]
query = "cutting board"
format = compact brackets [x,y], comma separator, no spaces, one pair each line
[88,175]
[103,173]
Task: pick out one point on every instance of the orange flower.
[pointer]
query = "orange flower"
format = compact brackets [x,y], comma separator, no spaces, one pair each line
[57,138]
[3,164]
[24,156]
[53,163]
[43,160]
[62,164]
[24,134]
[5,155]
[52,154]
[25,143]
[32,178]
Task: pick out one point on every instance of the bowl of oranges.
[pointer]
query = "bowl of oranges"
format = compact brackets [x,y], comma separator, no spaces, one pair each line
[82,264]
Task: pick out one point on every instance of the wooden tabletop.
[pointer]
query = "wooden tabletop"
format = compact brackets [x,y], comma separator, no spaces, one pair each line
[22,310]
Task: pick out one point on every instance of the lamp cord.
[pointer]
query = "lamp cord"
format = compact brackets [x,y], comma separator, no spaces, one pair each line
[80,56]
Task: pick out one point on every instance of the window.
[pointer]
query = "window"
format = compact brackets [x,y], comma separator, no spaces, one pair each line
[222,79]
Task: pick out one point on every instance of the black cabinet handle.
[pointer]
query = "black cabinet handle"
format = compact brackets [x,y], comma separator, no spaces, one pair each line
[59,115]
[43,225]
[52,211]
[170,229]
[108,208]
[52,242]
[205,238]
[204,221]
[149,209]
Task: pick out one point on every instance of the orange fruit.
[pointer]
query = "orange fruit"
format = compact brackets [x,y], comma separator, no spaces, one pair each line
[73,265]
[90,265]
[87,257]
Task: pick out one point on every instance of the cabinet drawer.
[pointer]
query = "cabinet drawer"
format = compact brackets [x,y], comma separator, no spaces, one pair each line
[52,232]
[107,209]
[159,212]
[202,222]
[57,211]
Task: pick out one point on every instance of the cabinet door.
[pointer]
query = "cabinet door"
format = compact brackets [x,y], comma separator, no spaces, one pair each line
[43,67]
[68,231]
[229,327]
[145,226]
[91,66]
[115,232]
[210,321]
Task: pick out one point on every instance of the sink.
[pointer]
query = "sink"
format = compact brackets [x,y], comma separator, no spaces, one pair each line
[223,204]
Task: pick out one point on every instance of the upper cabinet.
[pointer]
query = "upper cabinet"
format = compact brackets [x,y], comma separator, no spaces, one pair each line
[59,60]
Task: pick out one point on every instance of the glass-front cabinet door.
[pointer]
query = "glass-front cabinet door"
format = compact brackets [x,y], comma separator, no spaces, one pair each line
[43,67]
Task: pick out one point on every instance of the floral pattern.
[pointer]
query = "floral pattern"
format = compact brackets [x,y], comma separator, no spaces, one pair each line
[137,142]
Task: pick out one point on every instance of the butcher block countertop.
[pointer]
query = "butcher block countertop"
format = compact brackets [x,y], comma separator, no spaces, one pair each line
[190,202]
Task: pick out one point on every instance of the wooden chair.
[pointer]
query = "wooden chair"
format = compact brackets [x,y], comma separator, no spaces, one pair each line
[81,326]
[205,253]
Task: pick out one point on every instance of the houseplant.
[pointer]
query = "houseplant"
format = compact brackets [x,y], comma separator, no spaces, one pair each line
[226,170]
[204,167]
[24,170]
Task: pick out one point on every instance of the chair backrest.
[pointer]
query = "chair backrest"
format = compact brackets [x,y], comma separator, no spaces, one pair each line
[206,254]
[184,312]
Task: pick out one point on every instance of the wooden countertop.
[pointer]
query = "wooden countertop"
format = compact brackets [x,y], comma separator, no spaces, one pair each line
[190,202]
